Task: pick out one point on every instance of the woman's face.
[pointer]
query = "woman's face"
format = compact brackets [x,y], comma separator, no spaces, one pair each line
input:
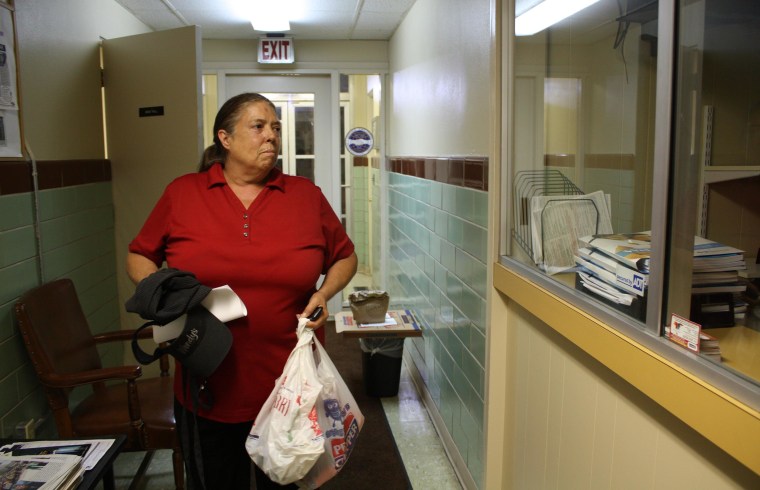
[255,140]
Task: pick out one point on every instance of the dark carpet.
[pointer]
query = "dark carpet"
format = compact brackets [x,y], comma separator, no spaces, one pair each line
[375,461]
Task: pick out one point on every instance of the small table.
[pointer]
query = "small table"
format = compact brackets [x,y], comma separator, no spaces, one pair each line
[103,470]
[406,325]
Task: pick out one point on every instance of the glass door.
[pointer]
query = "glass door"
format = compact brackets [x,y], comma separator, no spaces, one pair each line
[296,112]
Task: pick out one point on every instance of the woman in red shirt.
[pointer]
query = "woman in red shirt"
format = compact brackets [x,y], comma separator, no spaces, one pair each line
[241,222]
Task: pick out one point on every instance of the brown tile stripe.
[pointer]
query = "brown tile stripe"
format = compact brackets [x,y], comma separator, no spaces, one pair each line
[16,176]
[470,172]
[563,160]
[373,162]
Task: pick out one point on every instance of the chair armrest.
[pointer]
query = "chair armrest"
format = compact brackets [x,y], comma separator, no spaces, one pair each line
[122,335]
[127,373]
[126,335]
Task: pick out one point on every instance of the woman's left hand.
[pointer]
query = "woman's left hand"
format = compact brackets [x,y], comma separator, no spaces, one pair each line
[316,301]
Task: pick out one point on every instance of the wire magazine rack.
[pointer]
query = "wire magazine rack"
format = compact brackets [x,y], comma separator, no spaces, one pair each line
[529,184]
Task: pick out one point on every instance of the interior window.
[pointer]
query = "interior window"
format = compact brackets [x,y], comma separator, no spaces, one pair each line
[583,151]
[713,282]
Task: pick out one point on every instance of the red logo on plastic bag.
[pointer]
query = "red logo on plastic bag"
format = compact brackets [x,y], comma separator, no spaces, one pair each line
[314,419]
[282,403]
[338,451]
[351,428]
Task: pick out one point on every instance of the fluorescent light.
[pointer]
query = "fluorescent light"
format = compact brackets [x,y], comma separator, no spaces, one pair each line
[268,15]
[270,23]
[547,13]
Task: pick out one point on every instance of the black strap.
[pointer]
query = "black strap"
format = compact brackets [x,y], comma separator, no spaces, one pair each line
[199,394]
[142,356]
[194,456]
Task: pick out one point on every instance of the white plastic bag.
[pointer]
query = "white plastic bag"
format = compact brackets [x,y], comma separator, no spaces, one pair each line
[285,440]
[340,420]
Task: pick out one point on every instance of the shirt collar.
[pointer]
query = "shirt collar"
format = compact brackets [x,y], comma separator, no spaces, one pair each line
[216,177]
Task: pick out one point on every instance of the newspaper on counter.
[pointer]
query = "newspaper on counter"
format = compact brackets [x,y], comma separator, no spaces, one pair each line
[41,472]
[557,223]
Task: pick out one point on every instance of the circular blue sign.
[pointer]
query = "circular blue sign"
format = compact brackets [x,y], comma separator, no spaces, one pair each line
[359,141]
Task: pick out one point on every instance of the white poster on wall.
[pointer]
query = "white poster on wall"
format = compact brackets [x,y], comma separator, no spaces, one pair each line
[10,122]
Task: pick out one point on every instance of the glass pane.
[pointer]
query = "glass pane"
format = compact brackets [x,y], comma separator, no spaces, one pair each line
[304,117]
[583,149]
[716,183]
[305,168]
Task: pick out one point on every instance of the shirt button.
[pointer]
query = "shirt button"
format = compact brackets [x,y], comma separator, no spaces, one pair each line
[245,234]
[245,216]
[245,225]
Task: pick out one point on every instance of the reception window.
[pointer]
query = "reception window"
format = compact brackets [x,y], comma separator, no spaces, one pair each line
[633,169]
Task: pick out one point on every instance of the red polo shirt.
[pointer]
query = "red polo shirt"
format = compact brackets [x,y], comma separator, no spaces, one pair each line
[270,254]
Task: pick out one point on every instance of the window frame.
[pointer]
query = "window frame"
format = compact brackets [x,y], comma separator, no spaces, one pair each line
[670,232]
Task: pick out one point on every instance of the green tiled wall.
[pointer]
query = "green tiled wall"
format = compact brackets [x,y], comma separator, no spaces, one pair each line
[438,266]
[77,241]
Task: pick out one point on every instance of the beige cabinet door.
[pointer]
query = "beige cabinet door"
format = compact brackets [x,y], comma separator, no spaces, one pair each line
[152,85]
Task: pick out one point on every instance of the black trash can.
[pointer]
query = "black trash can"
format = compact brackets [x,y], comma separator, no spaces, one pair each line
[381,364]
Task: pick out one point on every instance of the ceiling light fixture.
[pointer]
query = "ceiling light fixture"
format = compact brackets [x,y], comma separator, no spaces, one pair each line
[268,16]
[548,13]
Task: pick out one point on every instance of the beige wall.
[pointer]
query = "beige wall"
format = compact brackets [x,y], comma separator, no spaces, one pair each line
[243,53]
[578,425]
[580,409]
[60,88]
[439,91]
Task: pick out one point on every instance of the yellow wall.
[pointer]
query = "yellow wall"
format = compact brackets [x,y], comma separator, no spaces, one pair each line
[240,52]
[439,101]
[60,88]
[589,408]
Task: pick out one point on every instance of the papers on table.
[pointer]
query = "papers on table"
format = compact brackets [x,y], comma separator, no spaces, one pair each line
[398,323]
[41,472]
[90,451]
[388,322]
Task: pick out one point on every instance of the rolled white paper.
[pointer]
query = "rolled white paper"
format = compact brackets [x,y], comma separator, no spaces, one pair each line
[222,302]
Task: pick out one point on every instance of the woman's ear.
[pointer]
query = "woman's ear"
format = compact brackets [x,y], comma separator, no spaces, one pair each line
[224,138]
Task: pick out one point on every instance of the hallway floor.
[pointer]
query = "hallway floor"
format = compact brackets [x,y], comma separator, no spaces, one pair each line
[425,460]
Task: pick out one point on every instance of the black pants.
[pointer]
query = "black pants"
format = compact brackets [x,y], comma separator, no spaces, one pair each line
[215,454]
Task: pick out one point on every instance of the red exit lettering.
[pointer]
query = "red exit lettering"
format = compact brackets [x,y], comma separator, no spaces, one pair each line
[275,50]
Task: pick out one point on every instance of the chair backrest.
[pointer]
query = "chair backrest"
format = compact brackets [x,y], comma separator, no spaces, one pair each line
[55,330]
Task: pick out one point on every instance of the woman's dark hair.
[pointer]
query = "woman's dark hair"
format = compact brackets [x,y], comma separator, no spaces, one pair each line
[226,119]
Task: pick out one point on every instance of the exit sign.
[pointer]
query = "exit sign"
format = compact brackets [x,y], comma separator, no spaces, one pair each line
[276,50]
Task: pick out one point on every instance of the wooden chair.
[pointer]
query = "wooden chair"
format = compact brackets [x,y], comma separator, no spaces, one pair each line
[64,353]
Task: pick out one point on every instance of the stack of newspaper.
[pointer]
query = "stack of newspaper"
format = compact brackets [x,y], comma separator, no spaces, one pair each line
[47,465]
[616,267]
[43,472]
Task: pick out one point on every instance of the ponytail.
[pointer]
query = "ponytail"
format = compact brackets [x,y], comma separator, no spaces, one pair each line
[211,155]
